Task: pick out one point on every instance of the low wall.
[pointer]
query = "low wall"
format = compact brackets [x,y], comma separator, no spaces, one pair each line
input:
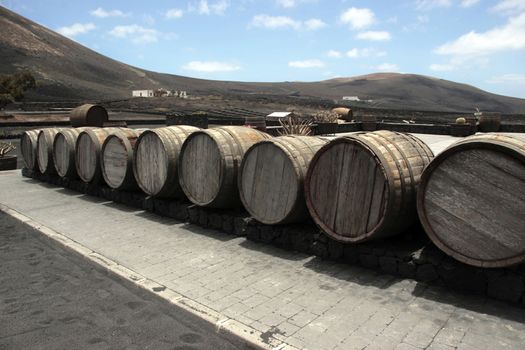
[410,255]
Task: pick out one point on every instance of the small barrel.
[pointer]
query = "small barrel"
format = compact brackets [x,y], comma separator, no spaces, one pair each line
[117,159]
[363,186]
[156,158]
[271,178]
[87,153]
[471,200]
[345,113]
[46,165]
[28,146]
[88,115]
[64,146]
[209,162]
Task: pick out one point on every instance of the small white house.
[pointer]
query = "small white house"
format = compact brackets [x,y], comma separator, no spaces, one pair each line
[142,93]
[278,115]
[350,98]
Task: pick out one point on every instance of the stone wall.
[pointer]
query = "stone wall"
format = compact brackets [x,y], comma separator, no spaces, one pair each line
[410,255]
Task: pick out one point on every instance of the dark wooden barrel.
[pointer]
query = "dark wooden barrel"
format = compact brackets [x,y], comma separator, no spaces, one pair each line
[156,158]
[64,145]
[117,159]
[271,178]
[46,165]
[209,163]
[87,153]
[363,186]
[471,200]
[28,145]
[257,123]
[88,115]
[489,122]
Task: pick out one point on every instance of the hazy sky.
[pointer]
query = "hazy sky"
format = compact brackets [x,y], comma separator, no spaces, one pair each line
[478,42]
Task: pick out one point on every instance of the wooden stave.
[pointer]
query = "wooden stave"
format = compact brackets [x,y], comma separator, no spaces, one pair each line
[96,137]
[88,115]
[400,207]
[176,135]
[70,136]
[231,148]
[46,135]
[128,138]
[289,145]
[513,146]
[28,146]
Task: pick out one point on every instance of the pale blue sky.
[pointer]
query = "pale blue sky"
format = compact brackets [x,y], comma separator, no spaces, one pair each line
[478,42]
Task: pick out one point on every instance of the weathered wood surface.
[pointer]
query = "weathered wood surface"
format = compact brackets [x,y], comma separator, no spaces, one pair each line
[87,153]
[471,201]
[28,146]
[363,186]
[64,145]
[271,178]
[156,158]
[45,140]
[88,115]
[209,164]
[117,159]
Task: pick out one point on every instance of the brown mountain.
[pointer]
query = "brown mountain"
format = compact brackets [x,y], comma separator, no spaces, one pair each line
[67,70]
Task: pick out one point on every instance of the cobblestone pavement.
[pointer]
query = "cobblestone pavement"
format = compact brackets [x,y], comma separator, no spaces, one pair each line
[289,297]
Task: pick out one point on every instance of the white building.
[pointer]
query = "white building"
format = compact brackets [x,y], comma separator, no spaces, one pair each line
[142,93]
[350,98]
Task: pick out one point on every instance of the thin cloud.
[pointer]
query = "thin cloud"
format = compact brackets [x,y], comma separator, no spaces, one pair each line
[358,18]
[314,63]
[174,13]
[509,7]
[468,3]
[447,67]
[387,67]
[374,36]
[426,5]
[211,66]
[508,78]
[508,37]
[101,13]
[203,7]
[76,29]
[366,52]
[279,22]
[334,54]
[286,3]
[137,34]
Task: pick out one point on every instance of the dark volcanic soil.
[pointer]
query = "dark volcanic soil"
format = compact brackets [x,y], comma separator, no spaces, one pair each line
[50,299]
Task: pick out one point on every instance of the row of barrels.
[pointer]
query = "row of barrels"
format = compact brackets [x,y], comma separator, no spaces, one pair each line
[470,198]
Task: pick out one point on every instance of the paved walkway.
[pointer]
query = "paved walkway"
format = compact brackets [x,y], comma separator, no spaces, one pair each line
[282,297]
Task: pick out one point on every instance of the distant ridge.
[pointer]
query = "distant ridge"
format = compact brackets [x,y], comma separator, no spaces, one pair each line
[67,70]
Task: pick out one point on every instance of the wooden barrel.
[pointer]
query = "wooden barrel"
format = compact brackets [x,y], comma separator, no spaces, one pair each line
[46,165]
[209,163]
[271,178]
[28,145]
[117,159]
[64,145]
[87,153]
[258,123]
[345,113]
[156,159]
[471,200]
[88,115]
[363,186]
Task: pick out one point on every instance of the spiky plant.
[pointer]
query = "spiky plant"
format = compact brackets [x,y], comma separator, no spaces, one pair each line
[5,148]
[326,117]
[294,125]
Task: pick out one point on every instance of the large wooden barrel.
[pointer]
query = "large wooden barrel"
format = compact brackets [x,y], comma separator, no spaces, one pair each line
[271,178]
[363,186]
[345,113]
[64,145]
[117,159]
[87,153]
[156,159]
[46,165]
[209,164]
[471,200]
[28,145]
[88,115]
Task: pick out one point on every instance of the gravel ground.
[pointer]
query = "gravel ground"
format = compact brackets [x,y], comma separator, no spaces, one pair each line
[52,299]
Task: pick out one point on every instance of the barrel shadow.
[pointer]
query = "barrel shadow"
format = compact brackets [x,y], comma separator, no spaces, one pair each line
[274,251]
